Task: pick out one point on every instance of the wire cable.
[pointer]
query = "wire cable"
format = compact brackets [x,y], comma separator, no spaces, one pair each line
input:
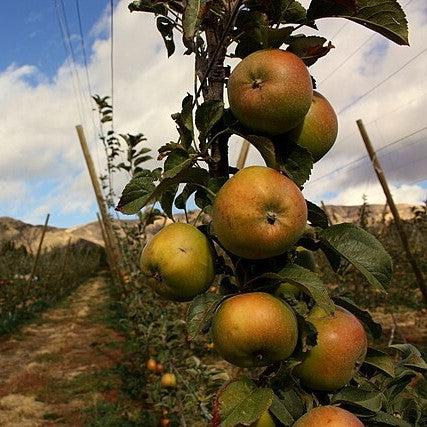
[342,63]
[67,59]
[95,129]
[376,86]
[366,156]
[364,43]
[73,55]
[112,57]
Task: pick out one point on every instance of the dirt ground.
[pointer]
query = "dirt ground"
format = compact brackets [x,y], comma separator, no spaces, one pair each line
[59,370]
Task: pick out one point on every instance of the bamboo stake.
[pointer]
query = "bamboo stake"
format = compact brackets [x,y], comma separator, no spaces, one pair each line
[243,155]
[382,179]
[115,252]
[39,249]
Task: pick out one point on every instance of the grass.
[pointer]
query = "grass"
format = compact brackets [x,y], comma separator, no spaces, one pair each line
[49,358]
[65,390]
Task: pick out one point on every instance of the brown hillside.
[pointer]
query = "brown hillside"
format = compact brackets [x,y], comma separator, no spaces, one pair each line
[23,234]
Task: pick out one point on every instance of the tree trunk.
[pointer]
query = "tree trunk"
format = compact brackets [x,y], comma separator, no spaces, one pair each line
[213,90]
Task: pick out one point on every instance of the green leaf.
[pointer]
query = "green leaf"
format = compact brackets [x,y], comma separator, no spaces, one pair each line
[148,6]
[309,48]
[279,36]
[383,16]
[292,12]
[136,194]
[363,315]
[194,175]
[295,400]
[165,27]
[184,121]
[141,159]
[412,357]
[282,11]
[200,312]
[362,401]
[190,21]
[176,162]
[380,360]
[384,419]
[307,334]
[279,410]
[205,198]
[166,200]
[253,29]
[362,250]
[265,147]
[242,402]
[295,161]
[306,279]
[181,200]
[187,112]
[316,216]
[141,189]
[207,115]
[398,384]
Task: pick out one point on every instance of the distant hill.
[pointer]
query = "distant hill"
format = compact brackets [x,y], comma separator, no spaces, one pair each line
[338,214]
[23,234]
[28,235]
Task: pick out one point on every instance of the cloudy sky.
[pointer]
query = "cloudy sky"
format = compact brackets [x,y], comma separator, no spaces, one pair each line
[43,98]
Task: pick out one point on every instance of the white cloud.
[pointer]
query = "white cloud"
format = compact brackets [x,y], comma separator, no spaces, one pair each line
[375,195]
[39,141]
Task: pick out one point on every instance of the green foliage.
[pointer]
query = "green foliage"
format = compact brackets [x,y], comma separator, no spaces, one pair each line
[380,390]
[309,48]
[242,402]
[200,313]
[362,250]
[59,272]
[165,27]
[383,16]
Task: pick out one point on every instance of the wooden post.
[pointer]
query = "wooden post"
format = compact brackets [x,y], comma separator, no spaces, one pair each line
[39,249]
[382,179]
[100,199]
[243,155]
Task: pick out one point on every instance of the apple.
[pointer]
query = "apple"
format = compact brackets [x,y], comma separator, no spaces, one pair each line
[168,380]
[270,91]
[259,213]
[151,365]
[178,262]
[341,347]
[328,416]
[318,132]
[254,329]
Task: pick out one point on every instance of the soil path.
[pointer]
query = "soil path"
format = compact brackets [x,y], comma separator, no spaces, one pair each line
[60,370]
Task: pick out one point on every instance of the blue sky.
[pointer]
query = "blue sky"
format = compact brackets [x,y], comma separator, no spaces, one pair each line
[30,34]
[41,165]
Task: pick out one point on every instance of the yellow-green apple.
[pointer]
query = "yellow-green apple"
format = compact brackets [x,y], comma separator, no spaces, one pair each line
[178,262]
[318,132]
